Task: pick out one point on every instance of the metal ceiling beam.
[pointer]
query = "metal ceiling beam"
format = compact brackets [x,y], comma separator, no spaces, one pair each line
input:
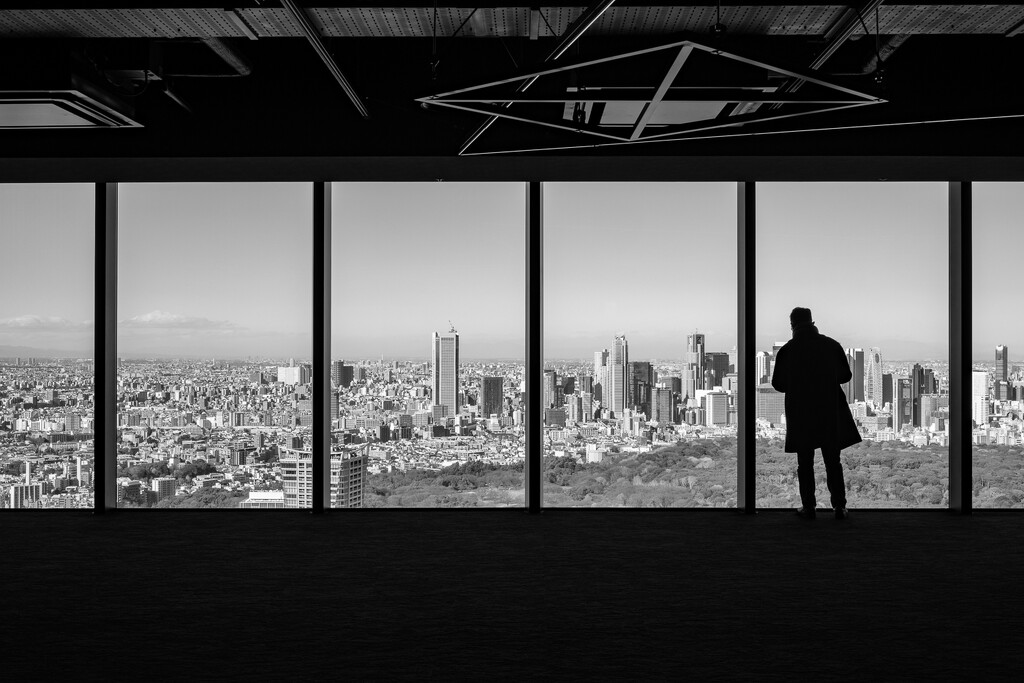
[647,94]
[577,30]
[836,36]
[313,36]
[666,83]
[229,55]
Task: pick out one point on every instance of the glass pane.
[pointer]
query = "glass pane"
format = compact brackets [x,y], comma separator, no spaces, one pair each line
[214,345]
[870,262]
[428,344]
[640,342]
[997,380]
[46,346]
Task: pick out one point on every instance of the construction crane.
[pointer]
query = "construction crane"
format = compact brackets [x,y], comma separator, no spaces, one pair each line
[452,329]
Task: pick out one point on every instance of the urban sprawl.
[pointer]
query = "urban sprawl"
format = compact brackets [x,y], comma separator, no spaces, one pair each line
[242,429]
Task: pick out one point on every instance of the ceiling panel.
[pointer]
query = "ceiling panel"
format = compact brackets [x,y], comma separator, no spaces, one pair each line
[275,22]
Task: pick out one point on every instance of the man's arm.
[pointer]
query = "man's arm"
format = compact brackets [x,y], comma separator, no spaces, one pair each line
[843,365]
[779,371]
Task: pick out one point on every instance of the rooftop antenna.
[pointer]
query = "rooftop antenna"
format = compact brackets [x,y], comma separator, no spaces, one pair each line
[452,326]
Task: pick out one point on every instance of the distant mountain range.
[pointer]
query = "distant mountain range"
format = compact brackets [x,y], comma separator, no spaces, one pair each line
[34,352]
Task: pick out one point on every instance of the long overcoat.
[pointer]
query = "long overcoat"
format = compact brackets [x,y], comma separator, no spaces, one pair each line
[809,369]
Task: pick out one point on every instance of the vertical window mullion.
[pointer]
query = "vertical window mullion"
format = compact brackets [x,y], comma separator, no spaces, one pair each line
[105,350]
[321,456]
[746,469]
[960,343]
[533,415]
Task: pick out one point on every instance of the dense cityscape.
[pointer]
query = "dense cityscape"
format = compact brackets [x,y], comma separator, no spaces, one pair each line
[445,432]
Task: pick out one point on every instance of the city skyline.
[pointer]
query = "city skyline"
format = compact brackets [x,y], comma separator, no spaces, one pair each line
[203,274]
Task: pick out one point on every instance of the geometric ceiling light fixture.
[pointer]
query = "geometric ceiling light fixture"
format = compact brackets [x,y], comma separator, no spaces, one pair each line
[665,93]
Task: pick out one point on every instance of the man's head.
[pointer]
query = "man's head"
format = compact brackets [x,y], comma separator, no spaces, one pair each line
[800,317]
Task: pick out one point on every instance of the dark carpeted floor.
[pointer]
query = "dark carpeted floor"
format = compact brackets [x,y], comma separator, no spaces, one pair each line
[497,594]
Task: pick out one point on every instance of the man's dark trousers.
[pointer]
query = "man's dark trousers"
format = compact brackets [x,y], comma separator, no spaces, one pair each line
[833,474]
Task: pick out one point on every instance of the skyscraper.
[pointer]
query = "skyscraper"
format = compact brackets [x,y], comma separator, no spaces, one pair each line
[617,361]
[492,396]
[922,382]
[551,390]
[717,366]
[693,365]
[979,398]
[1002,363]
[445,371]
[873,390]
[600,375]
[902,403]
[663,408]
[887,388]
[848,386]
[762,367]
[639,381]
[857,367]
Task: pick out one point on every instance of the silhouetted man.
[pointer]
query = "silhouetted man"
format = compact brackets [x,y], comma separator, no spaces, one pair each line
[809,369]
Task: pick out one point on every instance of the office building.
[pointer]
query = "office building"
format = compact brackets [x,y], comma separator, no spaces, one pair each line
[444,354]
[586,406]
[979,398]
[492,396]
[348,477]
[693,365]
[294,374]
[1002,363]
[873,386]
[763,367]
[615,396]
[716,409]
[164,487]
[716,365]
[769,404]
[25,496]
[663,406]
[903,403]
[342,374]
[552,390]
[264,500]
[639,381]
[934,409]
[857,368]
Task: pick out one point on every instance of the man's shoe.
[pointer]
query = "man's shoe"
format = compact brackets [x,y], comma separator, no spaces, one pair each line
[806,513]
[842,513]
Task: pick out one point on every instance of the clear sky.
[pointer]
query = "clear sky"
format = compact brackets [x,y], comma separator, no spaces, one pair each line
[998,248]
[215,269]
[46,267]
[870,260]
[652,260]
[224,269]
[410,257]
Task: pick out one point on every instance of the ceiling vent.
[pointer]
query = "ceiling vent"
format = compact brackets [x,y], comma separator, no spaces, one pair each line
[61,101]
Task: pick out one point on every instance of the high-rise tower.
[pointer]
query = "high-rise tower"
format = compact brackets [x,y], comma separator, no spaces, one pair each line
[857,367]
[979,398]
[444,354]
[873,388]
[492,396]
[693,365]
[617,361]
[1002,363]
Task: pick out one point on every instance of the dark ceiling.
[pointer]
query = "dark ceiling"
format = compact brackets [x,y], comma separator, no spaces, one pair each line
[200,87]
